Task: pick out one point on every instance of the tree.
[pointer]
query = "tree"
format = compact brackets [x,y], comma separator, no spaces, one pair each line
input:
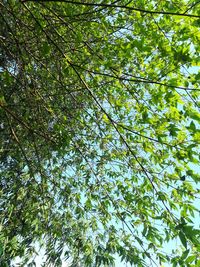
[99,128]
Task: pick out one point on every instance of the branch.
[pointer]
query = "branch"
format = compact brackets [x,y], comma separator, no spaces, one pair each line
[136,79]
[117,6]
[193,5]
[141,135]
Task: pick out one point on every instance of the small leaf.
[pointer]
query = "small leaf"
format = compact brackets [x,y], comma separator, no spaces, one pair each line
[183,239]
[182,178]
[191,258]
[185,254]
[45,49]
[1,249]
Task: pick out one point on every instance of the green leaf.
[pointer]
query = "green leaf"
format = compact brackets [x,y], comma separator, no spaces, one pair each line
[185,254]
[183,239]
[46,49]
[1,249]
[191,259]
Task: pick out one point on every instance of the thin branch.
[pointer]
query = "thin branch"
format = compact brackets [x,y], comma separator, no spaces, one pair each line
[137,79]
[193,5]
[141,135]
[117,6]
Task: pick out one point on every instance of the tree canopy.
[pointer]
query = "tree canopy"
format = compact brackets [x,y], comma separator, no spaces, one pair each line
[99,110]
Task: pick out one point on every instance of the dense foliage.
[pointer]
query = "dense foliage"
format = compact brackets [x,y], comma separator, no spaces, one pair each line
[99,110]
